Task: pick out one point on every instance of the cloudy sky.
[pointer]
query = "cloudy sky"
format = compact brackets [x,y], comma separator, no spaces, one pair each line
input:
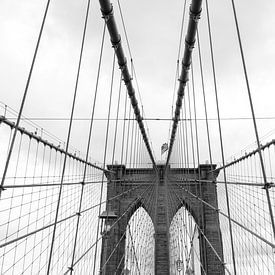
[153,29]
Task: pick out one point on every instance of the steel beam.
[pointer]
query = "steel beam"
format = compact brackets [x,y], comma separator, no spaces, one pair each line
[108,15]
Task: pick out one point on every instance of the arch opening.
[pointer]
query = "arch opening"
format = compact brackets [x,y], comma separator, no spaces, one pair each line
[184,248]
[140,244]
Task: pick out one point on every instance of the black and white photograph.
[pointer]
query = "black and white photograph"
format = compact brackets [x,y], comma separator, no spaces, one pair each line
[137,137]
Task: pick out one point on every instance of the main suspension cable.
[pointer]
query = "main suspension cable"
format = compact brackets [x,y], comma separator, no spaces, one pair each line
[108,15]
[195,11]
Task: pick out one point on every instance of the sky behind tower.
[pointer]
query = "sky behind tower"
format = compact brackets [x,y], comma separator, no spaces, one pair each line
[153,29]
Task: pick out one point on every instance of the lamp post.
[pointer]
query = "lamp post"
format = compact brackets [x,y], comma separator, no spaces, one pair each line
[107,217]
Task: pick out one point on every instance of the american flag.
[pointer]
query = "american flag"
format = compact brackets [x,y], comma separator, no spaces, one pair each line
[164,148]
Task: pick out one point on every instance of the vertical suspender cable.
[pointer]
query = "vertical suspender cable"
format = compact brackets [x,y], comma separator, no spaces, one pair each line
[204,98]
[191,126]
[24,98]
[198,157]
[89,137]
[177,66]
[117,112]
[128,131]
[114,147]
[108,15]
[68,135]
[195,11]
[123,129]
[104,162]
[267,185]
[220,135]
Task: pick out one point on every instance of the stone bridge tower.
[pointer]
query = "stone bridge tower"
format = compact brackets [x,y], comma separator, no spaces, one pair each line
[124,179]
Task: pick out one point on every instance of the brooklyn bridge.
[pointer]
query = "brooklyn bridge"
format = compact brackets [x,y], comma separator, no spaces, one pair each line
[136,137]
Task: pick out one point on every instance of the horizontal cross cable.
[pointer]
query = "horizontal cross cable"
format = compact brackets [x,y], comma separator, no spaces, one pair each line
[195,11]
[145,119]
[47,143]
[123,182]
[50,184]
[247,155]
[108,15]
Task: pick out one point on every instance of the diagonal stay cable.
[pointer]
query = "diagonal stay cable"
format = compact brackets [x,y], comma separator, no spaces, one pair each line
[198,227]
[226,216]
[88,147]
[68,217]
[220,135]
[104,156]
[129,209]
[69,130]
[254,118]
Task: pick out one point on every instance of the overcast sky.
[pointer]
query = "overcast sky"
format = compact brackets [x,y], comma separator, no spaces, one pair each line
[153,29]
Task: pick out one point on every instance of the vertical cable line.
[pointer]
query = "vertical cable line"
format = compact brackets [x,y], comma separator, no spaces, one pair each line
[114,144]
[206,118]
[104,234]
[133,71]
[194,16]
[108,15]
[133,147]
[220,135]
[29,208]
[191,126]
[181,146]
[198,157]
[266,184]
[195,118]
[104,159]
[69,134]
[124,29]
[24,98]
[117,112]
[186,134]
[89,140]
[123,129]
[12,196]
[204,98]
[132,141]
[134,250]
[128,131]
[178,58]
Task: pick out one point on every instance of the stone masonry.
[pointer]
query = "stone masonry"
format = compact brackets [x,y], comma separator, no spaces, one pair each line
[186,193]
